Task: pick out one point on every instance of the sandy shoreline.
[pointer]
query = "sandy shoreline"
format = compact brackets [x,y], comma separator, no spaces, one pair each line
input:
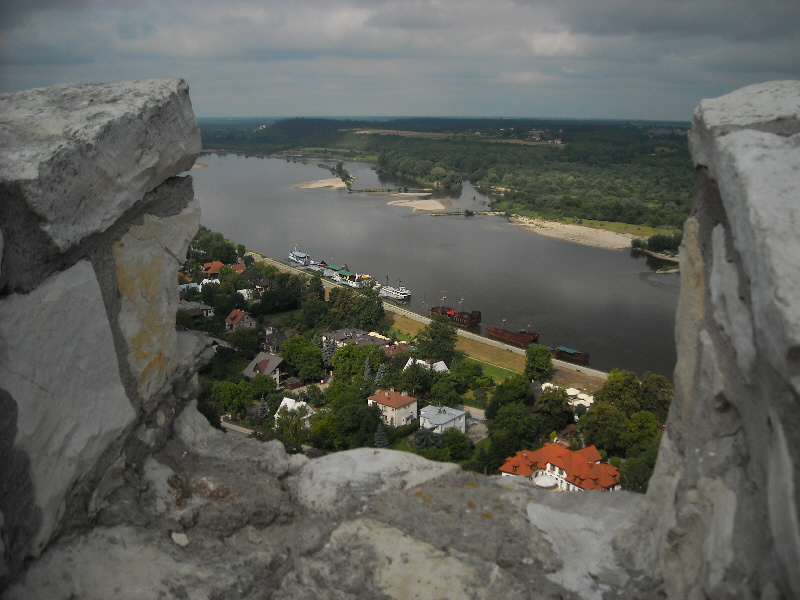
[199,165]
[579,234]
[569,232]
[333,182]
[422,204]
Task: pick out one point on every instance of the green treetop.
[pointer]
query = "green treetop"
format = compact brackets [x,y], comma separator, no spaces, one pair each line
[437,340]
[538,363]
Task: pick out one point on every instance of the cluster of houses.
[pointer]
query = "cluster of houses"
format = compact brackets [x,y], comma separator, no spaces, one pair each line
[554,466]
[398,409]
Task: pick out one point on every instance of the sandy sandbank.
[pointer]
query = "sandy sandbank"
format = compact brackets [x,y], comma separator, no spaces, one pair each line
[423,204]
[333,182]
[580,234]
[199,165]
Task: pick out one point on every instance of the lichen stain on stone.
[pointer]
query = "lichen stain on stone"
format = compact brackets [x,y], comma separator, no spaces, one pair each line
[182,490]
[425,498]
[691,311]
[486,515]
[214,490]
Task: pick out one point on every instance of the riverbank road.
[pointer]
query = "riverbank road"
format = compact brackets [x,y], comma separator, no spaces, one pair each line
[489,341]
[390,306]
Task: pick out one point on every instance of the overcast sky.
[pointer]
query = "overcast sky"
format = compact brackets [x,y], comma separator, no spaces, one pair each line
[635,59]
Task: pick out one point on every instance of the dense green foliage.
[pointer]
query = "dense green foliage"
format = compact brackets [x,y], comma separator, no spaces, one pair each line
[627,414]
[659,243]
[437,340]
[538,362]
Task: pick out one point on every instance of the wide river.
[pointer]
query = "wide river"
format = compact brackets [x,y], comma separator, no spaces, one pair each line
[604,302]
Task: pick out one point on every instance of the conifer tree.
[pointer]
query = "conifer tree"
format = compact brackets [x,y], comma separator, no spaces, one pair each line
[368,374]
[381,441]
[379,375]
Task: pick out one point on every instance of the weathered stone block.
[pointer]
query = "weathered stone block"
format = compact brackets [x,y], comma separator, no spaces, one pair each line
[146,260]
[57,361]
[83,154]
[724,493]
[332,482]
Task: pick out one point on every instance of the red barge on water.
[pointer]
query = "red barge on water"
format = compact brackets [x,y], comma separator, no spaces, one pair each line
[518,338]
[460,318]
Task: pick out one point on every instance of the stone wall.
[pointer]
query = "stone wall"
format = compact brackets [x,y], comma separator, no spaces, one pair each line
[723,516]
[94,224]
[113,485]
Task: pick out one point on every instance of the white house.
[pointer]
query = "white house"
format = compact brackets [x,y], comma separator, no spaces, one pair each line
[440,418]
[291,404]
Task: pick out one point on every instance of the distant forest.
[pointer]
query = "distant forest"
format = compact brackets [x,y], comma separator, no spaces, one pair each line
[631,172]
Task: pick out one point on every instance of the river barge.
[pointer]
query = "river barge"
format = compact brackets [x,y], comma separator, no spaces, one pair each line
[460,318]
[564,353]
[520,338]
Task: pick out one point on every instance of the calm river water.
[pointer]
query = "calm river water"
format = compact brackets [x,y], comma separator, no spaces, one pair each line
[604,302]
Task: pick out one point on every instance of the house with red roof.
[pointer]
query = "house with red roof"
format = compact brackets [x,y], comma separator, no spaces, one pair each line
[239,318]
[239,268]
[397,409]
[211,269]
[556,466]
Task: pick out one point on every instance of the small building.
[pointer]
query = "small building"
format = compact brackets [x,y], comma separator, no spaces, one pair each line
[264,364]
[441,418]
[273,338]
[197,309]
[293,383]
[396,409]
[290,404]
[437,367]
[556,466]
[238,268]
[394,349]
[239,318]
[359,337]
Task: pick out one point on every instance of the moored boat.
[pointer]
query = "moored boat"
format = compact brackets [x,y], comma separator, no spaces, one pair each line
[461,318]
[395,293]
[518,338]
[398,292]
[301,258]
[564,353]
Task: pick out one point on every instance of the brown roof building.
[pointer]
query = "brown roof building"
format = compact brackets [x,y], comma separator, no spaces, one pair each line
[396,409]
[555,465]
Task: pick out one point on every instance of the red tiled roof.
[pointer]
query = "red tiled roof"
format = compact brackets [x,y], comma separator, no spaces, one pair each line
[213,268]
[236,316]
[238,268]
[392,399]
[581,465]
[263,367]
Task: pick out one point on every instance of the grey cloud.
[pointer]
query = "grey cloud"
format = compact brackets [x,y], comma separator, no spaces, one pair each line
[729,19]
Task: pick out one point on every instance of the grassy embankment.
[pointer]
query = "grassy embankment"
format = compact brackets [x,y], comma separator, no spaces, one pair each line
[497,362]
